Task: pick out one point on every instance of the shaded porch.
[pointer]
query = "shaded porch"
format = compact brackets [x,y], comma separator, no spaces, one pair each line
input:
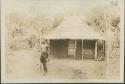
[77,49]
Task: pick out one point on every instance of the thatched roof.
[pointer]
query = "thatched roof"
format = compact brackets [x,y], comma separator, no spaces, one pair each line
[73,28]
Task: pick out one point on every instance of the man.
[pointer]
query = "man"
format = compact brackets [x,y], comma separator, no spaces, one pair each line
[44,57]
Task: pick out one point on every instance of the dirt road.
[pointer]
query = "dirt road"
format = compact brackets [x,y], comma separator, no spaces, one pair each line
[25,64]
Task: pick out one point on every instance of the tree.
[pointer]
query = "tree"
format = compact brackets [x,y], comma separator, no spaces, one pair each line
[106,20]
[100,17]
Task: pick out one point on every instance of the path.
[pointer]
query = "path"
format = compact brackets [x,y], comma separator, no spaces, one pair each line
[25,64]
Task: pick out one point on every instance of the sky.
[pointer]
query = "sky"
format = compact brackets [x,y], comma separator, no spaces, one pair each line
[51,6]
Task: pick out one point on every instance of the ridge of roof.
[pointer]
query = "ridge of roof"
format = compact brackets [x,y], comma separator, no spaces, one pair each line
[73,28]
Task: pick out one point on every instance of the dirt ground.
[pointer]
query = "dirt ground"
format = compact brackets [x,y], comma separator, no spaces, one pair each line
[25,64]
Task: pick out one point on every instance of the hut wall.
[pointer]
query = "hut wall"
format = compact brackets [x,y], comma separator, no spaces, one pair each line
[71,48]
[101,50]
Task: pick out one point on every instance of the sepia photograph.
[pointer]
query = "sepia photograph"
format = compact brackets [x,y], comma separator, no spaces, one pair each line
[62,41]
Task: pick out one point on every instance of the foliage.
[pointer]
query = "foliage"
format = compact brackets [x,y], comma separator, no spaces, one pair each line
[104,19]
[19,27]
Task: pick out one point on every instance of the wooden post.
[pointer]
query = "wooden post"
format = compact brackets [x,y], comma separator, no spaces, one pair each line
[82,49]
[96,50]
[103,48]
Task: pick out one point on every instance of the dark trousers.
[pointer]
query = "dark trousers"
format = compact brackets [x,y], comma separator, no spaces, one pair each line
[44,67]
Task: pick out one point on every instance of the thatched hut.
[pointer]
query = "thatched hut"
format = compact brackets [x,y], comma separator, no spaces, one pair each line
[74,39]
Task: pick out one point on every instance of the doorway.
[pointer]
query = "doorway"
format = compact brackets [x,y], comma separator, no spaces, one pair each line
[59,48]
[89,49]
[79,49]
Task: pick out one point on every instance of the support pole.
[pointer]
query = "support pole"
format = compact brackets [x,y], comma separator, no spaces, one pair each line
[82,49]
[96,50]
[103,48]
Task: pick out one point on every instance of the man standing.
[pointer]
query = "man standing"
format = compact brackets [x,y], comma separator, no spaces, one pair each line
[44,56]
